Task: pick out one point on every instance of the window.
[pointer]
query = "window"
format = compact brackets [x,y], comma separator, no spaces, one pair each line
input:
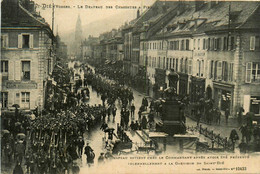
[218,43]
[232,43]
[209,43]
[212,44]
[4,69]
[252,43]
[26,70]
[173,64]
[215,70]
[224,71]
[170,64]
[26,38]
[230,73]
[198,44]
[182,44]
[4,66]
[204,44]
[177,45]
[163,63]
[194,44]
[211,69]
[4,99]
[4,40]
[177,65]
[225,43]
[255,77]
[159,62]
[171,45]
[25,41]
[187,44]
[181,65]
[186,65]
[215,44]
[25,100]
[219,71]
[167,63]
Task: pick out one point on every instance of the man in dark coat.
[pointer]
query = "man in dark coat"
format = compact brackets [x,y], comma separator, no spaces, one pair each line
[18,169]
[132,110]
[81,144]
[90,154]
[144,122]
[227,113]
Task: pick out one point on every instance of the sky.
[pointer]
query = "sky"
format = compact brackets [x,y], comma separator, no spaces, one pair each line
[65,18]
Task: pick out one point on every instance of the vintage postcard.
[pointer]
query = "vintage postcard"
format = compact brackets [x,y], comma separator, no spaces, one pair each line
[130,86]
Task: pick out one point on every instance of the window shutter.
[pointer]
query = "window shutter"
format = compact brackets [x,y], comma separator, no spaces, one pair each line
[31,41]
[191,44]
[33,70]
[7,41]
[252,43]
[20,41]
[248,72]
[11,69]
[222,43]
[17,70]
[257,42]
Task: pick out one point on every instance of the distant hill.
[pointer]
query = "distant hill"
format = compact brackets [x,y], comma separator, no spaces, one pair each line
[97,27]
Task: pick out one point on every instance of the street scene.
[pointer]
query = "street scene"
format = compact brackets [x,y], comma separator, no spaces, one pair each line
[177,78]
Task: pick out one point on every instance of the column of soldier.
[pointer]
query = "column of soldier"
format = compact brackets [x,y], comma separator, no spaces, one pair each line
[55,139]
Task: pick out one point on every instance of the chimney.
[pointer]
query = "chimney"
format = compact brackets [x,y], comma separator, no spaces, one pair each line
[13,8]
[138,13]
[31,7]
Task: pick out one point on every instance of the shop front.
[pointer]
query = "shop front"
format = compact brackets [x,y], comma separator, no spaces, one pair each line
[223,96]
[197,88]
[255,105]
[183,84]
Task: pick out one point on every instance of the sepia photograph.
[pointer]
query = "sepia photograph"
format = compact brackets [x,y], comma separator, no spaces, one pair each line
[130,86]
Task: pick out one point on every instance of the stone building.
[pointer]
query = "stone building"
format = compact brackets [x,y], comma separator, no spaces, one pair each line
[27,55]
[214,47]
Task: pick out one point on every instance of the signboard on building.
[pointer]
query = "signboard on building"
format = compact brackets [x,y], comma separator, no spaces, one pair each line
[21,85]
[255,104]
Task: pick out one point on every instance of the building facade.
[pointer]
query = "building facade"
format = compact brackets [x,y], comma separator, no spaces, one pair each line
[27,56]
[216,56]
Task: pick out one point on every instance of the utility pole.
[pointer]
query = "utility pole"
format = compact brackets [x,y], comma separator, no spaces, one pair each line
[52,24]
[228,38]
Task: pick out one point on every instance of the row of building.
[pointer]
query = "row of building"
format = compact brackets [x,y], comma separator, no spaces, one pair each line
[29,52]
[213,46]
